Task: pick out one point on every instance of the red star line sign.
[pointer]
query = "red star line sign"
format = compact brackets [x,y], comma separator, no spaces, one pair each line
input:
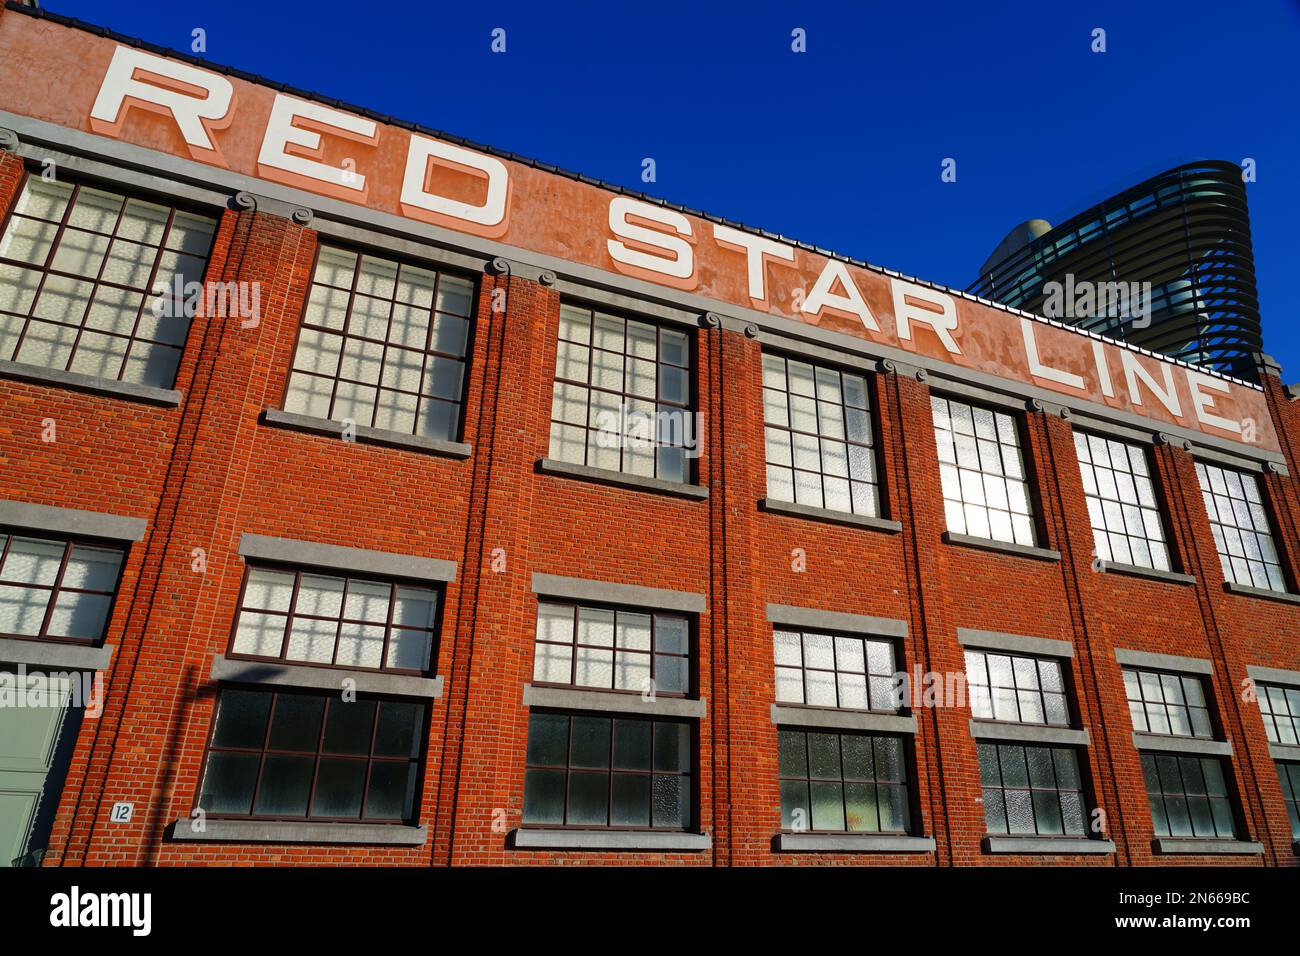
[95,85]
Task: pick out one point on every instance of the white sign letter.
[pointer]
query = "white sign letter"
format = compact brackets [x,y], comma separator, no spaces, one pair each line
[756,249]
[822,297]
[196,115]
[493,211]
[681,266]
[1103,369]
[1133,371]
[943,322]
[281,132]
[1037,368]
[1202,403]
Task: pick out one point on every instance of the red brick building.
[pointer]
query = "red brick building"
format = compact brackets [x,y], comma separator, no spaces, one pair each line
[366,579]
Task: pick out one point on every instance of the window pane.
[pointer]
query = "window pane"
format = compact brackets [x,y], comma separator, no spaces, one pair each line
[398,732]
[295,722]
[340,788]
[807,409]
[349,727]
[228,783]
[624,405]
[241,719]
[1241,527]
[849,783]
[391,356]
[631,800]
[1121,502]
[392,790]
[291,761]
[544,796]
[285,786]
[85,255]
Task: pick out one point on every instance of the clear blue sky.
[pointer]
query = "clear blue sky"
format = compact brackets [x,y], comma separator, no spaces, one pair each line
[840,146]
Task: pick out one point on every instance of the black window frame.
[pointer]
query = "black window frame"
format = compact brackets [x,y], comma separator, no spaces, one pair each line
[1288,776]
[1063,668]
[1183,678]
[69,542]
[420,747]
[904,785]
[1157,761]
[1208,496]
[1158,492]
[46,269]
[690,657]
[874,398]
[466,360]
[691,776]
[435,629]
[1028,461]
[1272,718]
[690,469]
[895,652]
[1000,786]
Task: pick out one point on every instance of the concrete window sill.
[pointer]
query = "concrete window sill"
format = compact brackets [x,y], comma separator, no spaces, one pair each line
[356,560]
[365,435]
[603,476]
[259,831]
[1267,595]
[657,841]
[788,615]
[608,592]
[1174,845]
[283,674]
[1154,574]
[1182,745]
[1029,733]
[54,656]
[826,514]
[1284,752]
[852,843]
[1062,846]
[608,701]
[1002,547]
[794,715]
[149,394]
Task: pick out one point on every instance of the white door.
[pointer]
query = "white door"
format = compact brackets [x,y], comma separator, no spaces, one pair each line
[34,748]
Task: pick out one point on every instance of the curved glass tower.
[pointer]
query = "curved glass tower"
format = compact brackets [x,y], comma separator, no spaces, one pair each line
[1185,231]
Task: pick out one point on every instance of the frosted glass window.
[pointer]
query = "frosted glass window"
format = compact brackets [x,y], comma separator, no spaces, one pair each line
[1016,688]
[335,620]
[985,492]
[819,440]
[382,344]
[1031,790]
[622,396]
[95,282]
[612,648]
[1122,507]
[842,783]
[56,589]
[1242,533]
[589,771]
[834,670]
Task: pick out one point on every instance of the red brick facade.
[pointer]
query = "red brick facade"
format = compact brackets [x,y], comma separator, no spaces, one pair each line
[207,471]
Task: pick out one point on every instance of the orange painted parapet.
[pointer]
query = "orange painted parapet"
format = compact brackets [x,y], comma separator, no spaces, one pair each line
[93,84]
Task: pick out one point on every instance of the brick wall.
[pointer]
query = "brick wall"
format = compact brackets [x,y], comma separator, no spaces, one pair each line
[205,472]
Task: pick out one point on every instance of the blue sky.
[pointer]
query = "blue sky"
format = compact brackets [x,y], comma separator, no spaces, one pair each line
[842,145]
